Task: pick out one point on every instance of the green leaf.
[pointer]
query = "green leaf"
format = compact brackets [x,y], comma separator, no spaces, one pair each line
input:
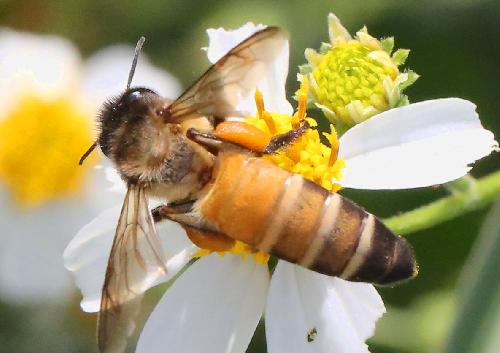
[477,325]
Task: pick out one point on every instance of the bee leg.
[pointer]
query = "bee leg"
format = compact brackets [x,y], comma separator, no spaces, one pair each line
[206,239]
[212,142]
[197,231]
[168,211]
[234,134]
[182,213]
[209,141]
[280,141]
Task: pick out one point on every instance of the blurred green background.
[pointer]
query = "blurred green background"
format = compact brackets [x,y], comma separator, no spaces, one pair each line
[455,48]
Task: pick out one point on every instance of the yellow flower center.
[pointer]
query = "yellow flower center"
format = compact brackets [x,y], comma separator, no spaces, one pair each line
[41,142]
[239,248]
[348,73]
[307,156]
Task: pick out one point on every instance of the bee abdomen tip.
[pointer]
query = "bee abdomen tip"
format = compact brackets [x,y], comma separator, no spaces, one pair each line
[403,266]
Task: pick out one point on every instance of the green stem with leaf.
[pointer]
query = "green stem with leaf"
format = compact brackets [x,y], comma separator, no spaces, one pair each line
[467,194]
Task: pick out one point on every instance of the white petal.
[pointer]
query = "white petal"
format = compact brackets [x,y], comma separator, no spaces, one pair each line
[418,145]
[32,241]
[106,74]
[342,313]
[87,254]
[31,244]
[273,85]
[213,307]
[220,41]
[48,64]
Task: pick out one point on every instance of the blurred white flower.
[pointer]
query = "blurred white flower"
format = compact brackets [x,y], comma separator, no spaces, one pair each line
[217,303]
[49,100]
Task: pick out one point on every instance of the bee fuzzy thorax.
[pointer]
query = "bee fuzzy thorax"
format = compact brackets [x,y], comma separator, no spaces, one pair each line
[147,148]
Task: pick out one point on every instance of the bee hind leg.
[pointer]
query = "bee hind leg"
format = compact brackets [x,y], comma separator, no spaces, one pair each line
[197,231]
[235,134]
[283,140]
[169,211]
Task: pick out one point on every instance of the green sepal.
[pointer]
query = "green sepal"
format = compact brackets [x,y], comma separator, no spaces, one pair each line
[387,44]
[324,48]
[402,101]
[399,57]
[412,77]
[305,69]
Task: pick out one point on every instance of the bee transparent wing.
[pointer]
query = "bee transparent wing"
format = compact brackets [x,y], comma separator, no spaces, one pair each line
[135,262]
[235,75]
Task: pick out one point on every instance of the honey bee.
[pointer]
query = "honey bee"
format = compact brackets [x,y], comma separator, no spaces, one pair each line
[220,190]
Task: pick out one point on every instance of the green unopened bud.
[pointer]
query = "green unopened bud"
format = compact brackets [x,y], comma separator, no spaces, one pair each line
[353,79]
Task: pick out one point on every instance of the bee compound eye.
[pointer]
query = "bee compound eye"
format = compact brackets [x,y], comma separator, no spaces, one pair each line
[137,99]
[133,97]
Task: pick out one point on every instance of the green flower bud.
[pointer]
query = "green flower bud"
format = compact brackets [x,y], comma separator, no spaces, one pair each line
[353,79]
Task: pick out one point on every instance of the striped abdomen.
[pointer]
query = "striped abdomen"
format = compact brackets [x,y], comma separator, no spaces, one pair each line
[283,214]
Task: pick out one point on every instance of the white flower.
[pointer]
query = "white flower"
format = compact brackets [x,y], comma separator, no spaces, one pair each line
[217,303]
[49,100]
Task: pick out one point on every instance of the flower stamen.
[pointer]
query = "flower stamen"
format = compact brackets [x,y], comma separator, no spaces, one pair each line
[332,137]
[301,94]
[307,156]
[259,102]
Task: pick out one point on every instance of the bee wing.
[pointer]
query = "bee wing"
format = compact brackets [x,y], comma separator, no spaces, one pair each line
[135,262]
[218,91]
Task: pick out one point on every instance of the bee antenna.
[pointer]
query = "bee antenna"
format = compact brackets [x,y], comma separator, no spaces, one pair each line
[138,48]
[87,153]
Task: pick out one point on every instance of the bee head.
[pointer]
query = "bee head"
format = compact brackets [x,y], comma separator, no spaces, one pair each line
[135,100]
[117,110]
[125,113]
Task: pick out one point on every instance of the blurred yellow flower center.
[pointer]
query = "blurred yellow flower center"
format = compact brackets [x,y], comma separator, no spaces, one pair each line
[41,142]
[348,73]
[307,156]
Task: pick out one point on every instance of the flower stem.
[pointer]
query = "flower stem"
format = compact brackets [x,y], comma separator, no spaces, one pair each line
[468,194]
